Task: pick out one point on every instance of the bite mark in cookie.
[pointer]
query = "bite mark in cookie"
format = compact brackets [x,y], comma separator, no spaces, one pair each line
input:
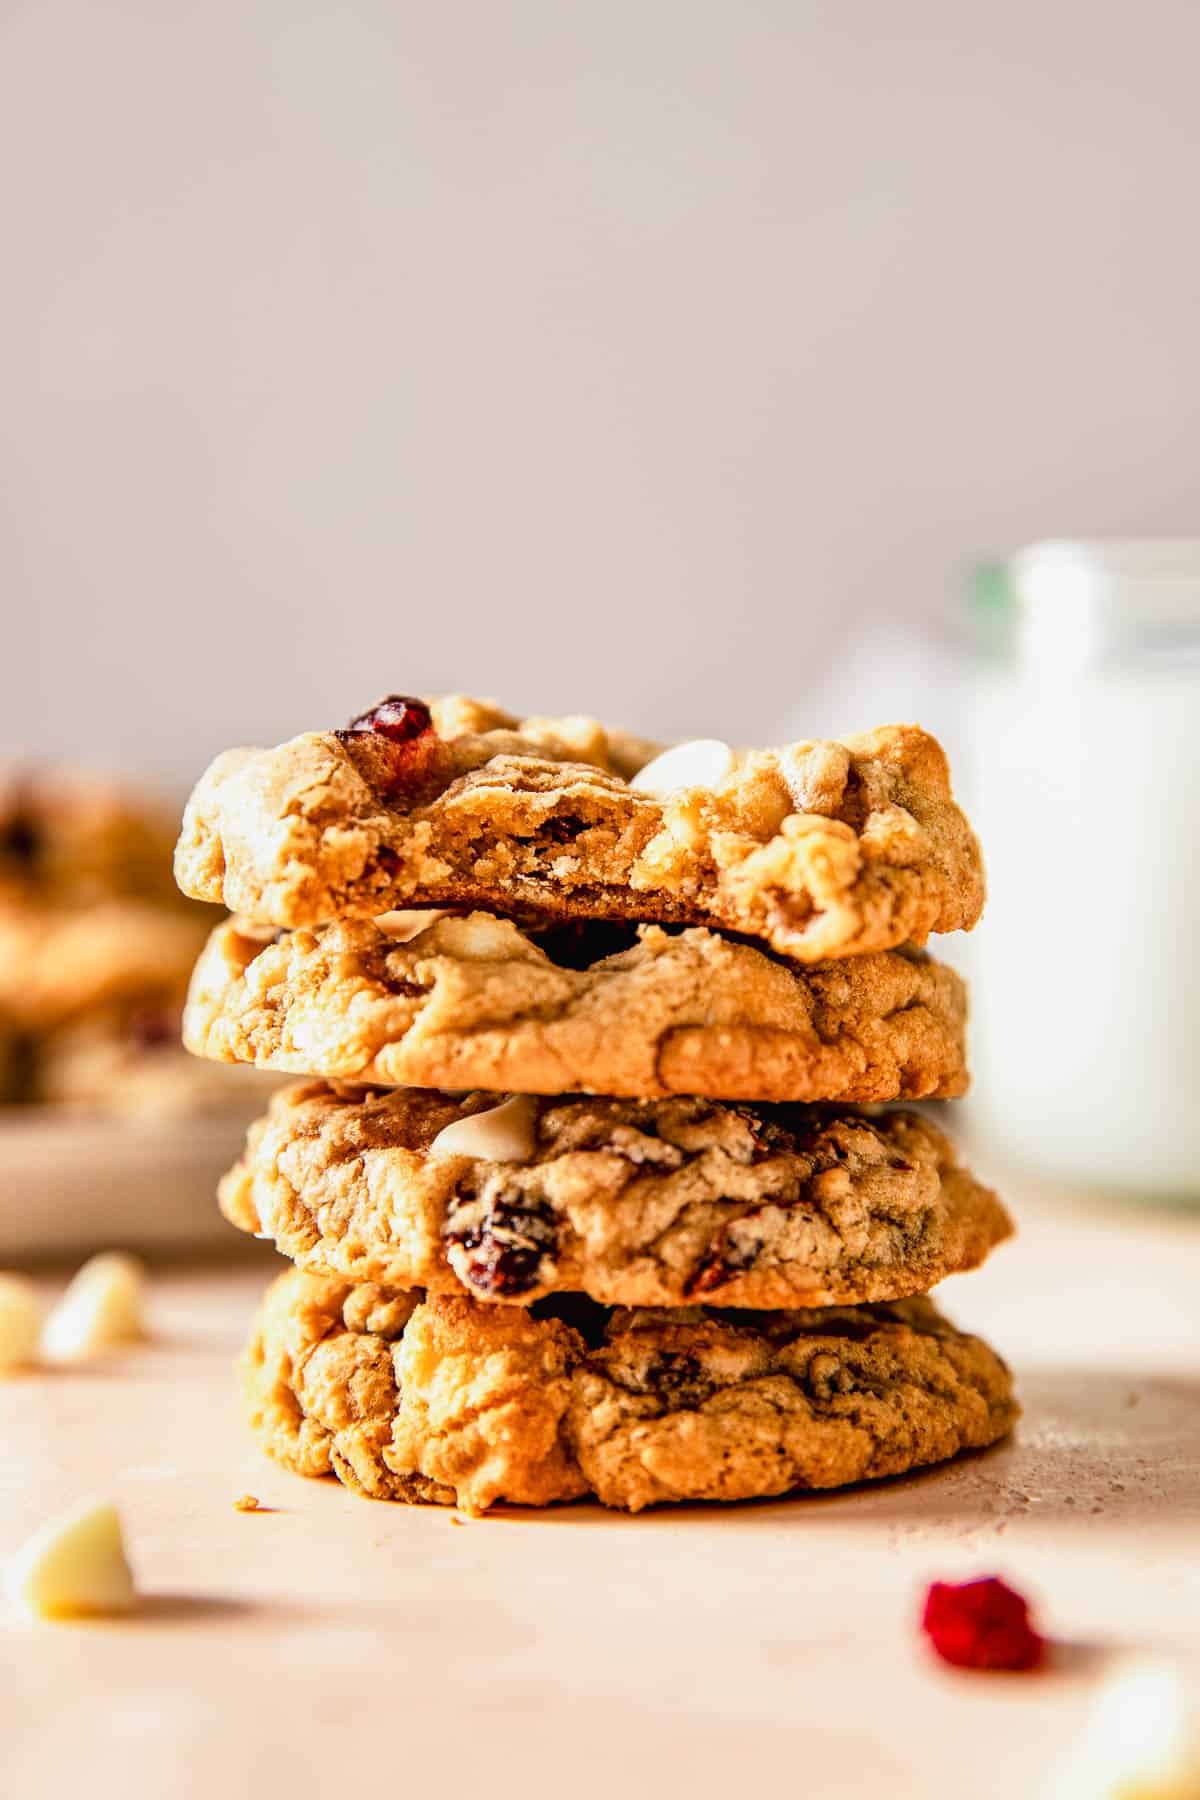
[821,849]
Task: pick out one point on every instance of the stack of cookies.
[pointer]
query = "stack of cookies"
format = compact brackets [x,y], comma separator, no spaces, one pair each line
[590,1189]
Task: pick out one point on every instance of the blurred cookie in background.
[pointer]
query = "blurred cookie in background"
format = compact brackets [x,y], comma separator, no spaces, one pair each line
[109,975]
[69,836]
[109,1130]
[96,946]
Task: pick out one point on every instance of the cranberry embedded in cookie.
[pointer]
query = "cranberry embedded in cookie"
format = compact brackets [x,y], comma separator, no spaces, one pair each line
[821,850]
[631,1202]
[399,717]
[400,738]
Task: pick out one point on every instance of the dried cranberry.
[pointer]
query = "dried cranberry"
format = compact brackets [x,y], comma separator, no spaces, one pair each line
[505,1237]
[561,831]
[399,718]
[727,1258]
[399,745]
[981,1624]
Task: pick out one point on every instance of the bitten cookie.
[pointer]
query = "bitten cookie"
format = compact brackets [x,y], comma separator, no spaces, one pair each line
[475,1002]
[635,1203]
[405,1398]
[821,849]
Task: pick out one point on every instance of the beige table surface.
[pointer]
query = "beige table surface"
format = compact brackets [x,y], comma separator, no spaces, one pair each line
[337,1646]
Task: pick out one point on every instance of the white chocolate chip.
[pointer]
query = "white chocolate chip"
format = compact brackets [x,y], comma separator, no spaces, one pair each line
[502,1134]
[74,1565]
[102,1306]
[481,937]
[404,925]
[1141,1737]
[257,934]
[20,1323]
[701,762]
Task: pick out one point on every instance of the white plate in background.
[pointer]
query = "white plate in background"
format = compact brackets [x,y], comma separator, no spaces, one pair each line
[77,1182]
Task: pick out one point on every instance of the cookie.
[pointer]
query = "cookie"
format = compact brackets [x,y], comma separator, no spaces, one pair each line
[820,849]
[633,1202]
[435,1399]
[59,963]
[91,998]
[70,838]
[476,1002]
[138,1068]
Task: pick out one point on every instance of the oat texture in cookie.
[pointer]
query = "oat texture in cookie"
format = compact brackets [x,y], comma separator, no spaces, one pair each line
[632,1202]
[595,1008]
[820,849]
[436,1399]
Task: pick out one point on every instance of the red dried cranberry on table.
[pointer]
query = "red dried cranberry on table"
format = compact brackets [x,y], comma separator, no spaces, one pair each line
[981,1624]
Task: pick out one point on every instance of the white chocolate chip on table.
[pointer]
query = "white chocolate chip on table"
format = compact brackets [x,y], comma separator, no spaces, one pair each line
[74,1566]
[102,1306]
[1141,1740]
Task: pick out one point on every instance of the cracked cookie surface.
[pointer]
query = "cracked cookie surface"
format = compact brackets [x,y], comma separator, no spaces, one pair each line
[821,849]
[634,1203]
[476,1002]
[405,1397]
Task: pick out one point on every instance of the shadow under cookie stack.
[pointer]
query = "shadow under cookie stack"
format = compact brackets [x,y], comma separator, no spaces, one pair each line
[581,1193]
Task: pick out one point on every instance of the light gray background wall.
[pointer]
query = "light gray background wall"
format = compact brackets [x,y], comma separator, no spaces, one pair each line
[622,356]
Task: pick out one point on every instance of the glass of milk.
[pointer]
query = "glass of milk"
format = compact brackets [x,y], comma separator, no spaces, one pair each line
[1083,738]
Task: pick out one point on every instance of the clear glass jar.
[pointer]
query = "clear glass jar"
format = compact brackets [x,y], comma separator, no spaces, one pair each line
[1084,780]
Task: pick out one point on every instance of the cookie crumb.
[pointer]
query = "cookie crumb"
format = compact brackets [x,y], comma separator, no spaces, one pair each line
[456,1520]
[250,1503]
